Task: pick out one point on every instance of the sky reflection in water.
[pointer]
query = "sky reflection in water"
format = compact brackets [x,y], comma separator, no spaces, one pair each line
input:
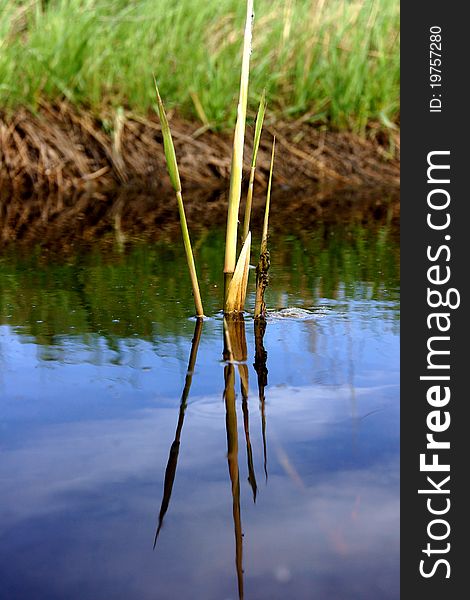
[88,417]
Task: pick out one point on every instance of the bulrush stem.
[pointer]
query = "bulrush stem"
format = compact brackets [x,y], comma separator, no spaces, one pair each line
[264,261]
[237,155]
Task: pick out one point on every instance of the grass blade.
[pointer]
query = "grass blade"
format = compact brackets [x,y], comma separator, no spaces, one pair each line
[264,239]
[256,141]
[173,172]
[168,146]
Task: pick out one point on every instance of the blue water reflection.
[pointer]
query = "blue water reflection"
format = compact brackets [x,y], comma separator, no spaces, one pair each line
[87,425]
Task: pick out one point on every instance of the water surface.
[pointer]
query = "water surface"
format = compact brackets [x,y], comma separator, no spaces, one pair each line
[273,481]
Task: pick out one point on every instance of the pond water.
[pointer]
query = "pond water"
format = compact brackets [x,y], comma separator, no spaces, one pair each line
[273,481]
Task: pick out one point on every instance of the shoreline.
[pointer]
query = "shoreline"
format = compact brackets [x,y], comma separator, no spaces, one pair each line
[63,150]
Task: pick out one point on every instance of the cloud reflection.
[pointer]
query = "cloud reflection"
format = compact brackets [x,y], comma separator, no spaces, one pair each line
[78,490]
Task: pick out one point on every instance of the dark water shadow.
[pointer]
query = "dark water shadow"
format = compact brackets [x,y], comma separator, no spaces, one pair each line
[244,386]
[261,357]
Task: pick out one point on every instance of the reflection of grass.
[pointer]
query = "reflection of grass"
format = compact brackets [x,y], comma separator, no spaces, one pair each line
[354,262]
[336,60]
[142,294]
[261,357]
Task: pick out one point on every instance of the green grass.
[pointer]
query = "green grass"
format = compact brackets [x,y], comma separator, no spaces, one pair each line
[336,61]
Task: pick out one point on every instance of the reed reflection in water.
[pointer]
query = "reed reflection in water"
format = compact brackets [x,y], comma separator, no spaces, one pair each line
[235,354]
[170,470]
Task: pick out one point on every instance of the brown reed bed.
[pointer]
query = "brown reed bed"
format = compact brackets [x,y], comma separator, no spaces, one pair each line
[61,149]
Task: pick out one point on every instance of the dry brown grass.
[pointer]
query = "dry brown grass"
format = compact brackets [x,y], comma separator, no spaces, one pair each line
[60,149]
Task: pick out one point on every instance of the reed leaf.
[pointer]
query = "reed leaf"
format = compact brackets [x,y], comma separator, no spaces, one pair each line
[173,172]
[168,145]
[237,155]
[256,141]
[264,238]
